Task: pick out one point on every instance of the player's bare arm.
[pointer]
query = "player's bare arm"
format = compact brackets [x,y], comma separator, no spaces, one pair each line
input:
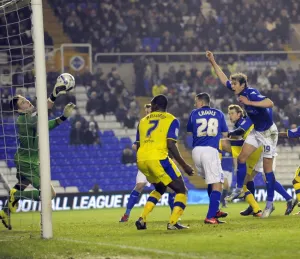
[177,156]
[266,103]
[226,145]
[223,78]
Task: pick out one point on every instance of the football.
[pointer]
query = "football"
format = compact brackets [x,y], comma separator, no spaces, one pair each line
[66,79]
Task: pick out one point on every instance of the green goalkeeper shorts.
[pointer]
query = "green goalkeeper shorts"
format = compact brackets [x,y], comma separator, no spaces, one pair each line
[28,173]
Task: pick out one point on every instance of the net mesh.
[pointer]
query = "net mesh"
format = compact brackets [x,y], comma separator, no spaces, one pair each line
[16,78]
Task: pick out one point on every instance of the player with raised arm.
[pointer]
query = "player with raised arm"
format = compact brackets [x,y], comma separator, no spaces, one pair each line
[141,182]
[294,133]
[157,135]
[265,133]
[27,154]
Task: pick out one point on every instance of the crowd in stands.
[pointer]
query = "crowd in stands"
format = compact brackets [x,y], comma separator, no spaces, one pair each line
[178,25]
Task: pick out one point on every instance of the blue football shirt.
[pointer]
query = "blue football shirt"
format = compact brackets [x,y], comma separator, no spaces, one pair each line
[261,117]
[207,125]
[294,133]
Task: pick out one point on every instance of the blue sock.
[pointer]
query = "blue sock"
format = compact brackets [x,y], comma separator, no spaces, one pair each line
[209,189]
[214,202]
[279,188]
[133,199]
[270,177]
[241,174]
[251,187]
[171,200]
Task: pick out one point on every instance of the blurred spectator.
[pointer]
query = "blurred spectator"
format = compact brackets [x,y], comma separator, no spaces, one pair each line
[128,157]
[94,88]
[6,95]
[6,78]
[263,81]
[225,103]
[48,39]
[159,88]
[121,112]
[92,119]
[91,135]
[78,117]
[130,120]
[110,103]
[94,106]
[73,22]
[184,88]
[96,189]
[180,74]
[77,134]
[18,78]
[87,77]
[147,77]
[165,80]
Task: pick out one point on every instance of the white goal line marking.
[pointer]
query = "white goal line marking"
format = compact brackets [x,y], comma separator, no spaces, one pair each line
[142,249]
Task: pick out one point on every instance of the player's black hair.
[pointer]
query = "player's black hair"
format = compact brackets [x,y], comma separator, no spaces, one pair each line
[205,97]
[13,104]
[161,101]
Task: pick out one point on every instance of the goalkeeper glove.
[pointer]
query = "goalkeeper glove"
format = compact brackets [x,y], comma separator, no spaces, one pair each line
[58,90]
[67,111]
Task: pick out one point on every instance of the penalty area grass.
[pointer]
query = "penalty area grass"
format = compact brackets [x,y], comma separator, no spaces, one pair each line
[98,234]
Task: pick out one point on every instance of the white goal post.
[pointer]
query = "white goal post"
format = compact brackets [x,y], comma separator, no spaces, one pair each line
[42,109]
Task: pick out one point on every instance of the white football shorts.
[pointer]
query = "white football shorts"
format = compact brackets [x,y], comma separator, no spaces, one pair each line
[208,164]
[268,139]
[141,178]
[259,166]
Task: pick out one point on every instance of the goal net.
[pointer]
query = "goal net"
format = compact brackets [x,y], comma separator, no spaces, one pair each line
[21,45]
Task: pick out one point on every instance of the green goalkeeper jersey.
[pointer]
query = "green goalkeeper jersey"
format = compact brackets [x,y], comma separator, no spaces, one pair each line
[28,150]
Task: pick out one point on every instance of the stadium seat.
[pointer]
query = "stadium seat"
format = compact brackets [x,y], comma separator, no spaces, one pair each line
[59,189]
[71,189]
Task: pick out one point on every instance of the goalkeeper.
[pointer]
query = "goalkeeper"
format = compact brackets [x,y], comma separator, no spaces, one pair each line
[27,155]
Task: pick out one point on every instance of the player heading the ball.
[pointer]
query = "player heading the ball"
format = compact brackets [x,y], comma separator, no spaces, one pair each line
[265,133]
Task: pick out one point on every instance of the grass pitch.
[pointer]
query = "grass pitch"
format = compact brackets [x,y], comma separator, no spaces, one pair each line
[98,234]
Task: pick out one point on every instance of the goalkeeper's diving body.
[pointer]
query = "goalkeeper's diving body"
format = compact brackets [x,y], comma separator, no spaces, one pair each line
[27,154]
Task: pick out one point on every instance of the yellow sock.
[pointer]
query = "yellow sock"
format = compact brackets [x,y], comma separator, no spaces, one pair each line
[297,190]
[154,197]
[249,197]
[179,206]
